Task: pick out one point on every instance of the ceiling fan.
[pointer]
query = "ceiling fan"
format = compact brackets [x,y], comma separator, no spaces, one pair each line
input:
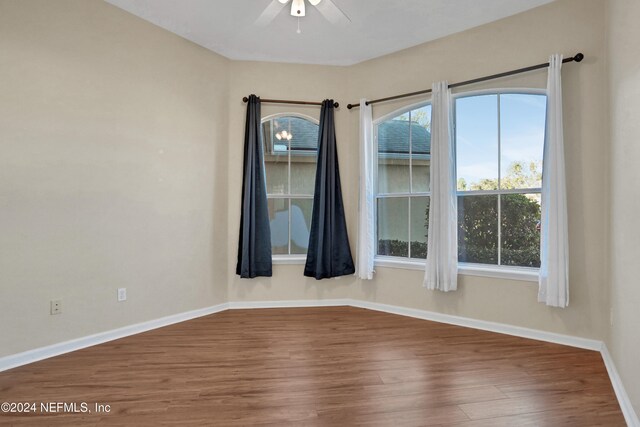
[327,8]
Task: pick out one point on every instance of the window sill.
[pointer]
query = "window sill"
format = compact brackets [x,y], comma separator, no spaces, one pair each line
[407,264]
[513,273]
[526,274]
[289,259]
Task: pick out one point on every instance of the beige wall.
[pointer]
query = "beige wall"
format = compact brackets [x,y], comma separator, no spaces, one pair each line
[113,136]
[624,97]
[566,26]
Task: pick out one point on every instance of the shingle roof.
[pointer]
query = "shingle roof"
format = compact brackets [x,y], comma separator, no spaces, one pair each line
[304,133]
[393,136]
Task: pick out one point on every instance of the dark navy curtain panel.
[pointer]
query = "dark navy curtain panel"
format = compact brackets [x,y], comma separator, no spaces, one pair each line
[329,254]
[254,246]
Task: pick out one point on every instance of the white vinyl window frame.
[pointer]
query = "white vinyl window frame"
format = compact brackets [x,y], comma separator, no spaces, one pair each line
[526,274]
[493,270]
[391,261]
[289,258]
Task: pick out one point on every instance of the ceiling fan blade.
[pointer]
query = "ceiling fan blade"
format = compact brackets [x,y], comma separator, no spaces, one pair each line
[270,13]
[332,13]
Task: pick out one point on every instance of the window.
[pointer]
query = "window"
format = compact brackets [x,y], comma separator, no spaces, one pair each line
[290,154]
[499,146]
[402,196]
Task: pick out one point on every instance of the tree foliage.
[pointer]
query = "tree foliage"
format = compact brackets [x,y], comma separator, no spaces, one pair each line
[519,219]
[478,223]
[418,116]
[400,248]
[519,175]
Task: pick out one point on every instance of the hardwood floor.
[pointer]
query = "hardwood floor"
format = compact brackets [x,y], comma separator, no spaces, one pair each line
[330,366]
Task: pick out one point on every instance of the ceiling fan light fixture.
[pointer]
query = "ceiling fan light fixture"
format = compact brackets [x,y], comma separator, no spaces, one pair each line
[326,8]
[284,135]
[297,8]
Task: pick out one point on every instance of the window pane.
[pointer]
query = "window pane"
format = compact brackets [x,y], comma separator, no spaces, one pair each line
[419,223]
[275,157]
[303,174]
[477,142]
[279,220]
[478,229]
[520,220]
[393,230]
[420,148]
[522,126]
[290,151]
[304,147]
[301,211]
[393,155]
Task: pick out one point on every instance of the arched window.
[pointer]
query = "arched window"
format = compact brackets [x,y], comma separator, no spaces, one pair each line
[403,141]
[290,154]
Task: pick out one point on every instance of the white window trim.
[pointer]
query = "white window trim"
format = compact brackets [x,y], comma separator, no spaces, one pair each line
[526,274]
[503,91]
[490,270]
[395,262]
[291,259]
[289,114]
[395,113]
[288,259]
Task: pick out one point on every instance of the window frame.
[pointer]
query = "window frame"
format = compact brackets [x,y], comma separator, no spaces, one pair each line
[385,260]
[525,274]
[495,270]
[288,258]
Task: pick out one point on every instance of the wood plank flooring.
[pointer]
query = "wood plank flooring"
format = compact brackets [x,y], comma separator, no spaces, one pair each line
[329,366]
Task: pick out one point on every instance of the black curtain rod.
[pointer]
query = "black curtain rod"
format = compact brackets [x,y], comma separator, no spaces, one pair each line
[284,101]
[577,58]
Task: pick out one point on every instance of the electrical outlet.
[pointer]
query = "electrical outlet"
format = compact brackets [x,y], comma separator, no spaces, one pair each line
[56,306]
[122,294]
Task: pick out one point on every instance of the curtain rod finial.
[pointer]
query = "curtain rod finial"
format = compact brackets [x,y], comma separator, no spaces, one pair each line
[578,57]
[349,106]
[245,99]
[336,105]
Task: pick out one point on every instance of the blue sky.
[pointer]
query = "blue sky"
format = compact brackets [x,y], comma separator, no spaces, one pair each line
[522,118]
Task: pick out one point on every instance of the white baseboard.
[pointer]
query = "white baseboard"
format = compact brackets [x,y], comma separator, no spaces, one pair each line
[623,398]
[13,361]
[484,325]
[30,356]
[236,305]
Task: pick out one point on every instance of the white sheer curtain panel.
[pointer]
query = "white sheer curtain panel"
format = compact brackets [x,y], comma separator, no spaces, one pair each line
[366,230]
[554,240]
[441,272]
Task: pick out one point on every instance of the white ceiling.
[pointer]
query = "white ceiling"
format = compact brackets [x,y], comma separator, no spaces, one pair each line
[377,27]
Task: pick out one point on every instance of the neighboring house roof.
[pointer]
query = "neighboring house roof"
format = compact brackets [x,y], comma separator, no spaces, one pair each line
[304,132]
[393,137]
